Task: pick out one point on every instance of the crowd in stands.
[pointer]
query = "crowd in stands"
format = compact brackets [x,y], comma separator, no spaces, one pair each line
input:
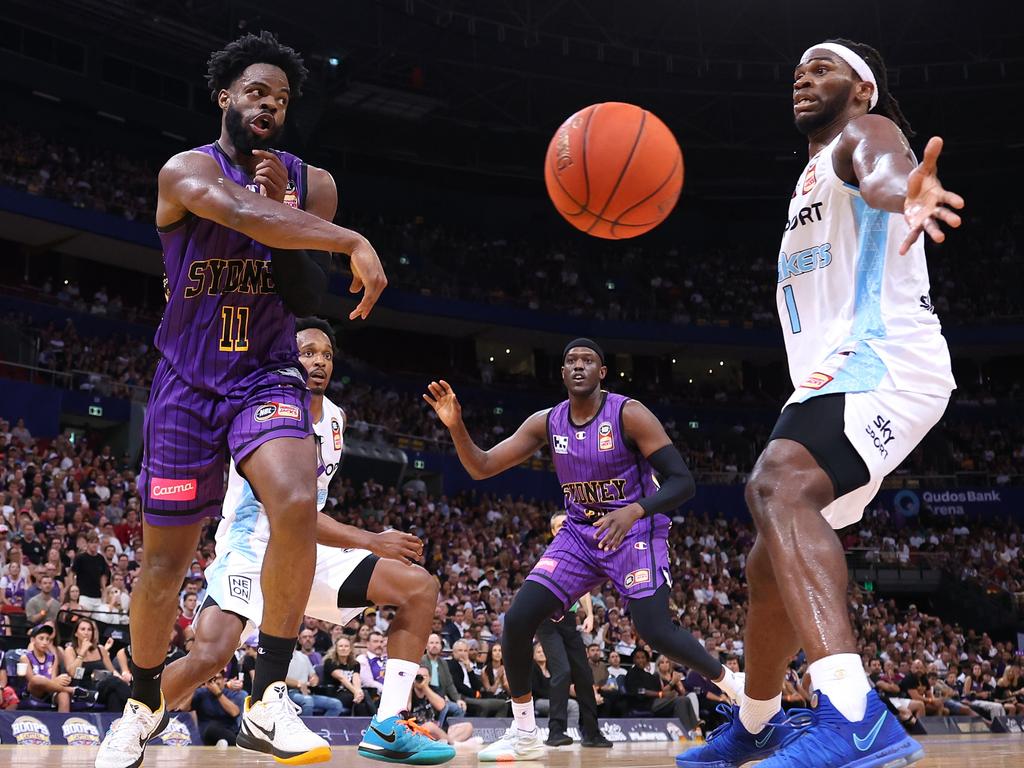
[71,540]
[123,365]
[730,282]
[80,174]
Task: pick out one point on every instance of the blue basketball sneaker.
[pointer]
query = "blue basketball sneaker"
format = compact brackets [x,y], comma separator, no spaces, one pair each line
[731,745]
[397,740]
[832,741]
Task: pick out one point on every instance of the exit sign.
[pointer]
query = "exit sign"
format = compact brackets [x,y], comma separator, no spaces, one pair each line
[419,464]
[95,410]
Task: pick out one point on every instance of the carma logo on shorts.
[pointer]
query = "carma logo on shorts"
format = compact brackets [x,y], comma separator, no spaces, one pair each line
[173,490]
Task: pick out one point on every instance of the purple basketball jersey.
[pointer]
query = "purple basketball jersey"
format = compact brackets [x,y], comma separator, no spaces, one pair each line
[598,469]
[224,319]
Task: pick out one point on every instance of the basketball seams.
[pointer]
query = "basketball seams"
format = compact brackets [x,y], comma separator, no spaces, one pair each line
[638,203]
[625,167]
[586,178]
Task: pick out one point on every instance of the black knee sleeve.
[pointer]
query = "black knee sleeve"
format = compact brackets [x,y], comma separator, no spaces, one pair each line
[654,624]
[531,605]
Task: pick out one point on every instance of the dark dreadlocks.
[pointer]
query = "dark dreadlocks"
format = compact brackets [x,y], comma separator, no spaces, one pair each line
[887,105]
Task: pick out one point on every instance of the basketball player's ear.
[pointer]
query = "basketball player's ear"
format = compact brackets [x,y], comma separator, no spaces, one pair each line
[223,99]
[603,372]
[864,90]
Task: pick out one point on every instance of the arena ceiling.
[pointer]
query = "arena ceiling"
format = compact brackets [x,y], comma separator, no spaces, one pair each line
[480,85]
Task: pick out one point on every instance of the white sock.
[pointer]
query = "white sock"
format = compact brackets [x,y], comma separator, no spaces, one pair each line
[841,677]
[755,714]
[731,684]
[523,715]
[398,677]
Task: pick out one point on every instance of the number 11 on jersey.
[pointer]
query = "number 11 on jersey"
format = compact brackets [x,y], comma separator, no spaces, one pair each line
[794,314]
[234,335]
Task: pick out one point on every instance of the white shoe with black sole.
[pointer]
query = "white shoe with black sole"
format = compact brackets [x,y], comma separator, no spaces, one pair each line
[273,726]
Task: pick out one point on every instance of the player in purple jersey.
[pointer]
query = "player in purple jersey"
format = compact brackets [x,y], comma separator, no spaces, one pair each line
[606,449]
[229,381]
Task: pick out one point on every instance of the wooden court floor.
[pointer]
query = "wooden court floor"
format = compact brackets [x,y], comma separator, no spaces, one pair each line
[973,751]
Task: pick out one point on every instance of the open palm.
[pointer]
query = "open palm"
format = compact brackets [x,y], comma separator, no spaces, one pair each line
[927,203]
[442,399]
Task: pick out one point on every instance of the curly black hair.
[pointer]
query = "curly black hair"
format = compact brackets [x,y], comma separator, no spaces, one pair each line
[887,104]
[226,65]
[318,324]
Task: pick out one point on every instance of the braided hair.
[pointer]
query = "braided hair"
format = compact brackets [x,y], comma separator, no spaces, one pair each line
[226,65]
[887,104]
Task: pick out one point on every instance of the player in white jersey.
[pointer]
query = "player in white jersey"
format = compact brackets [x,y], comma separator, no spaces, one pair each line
[871,373]
[354,569]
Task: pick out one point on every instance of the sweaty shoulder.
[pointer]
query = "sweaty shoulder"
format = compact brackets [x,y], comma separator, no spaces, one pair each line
[181,170]
[876,133]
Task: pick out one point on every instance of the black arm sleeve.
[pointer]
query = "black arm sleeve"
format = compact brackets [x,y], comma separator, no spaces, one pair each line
[677,485]
[301,279]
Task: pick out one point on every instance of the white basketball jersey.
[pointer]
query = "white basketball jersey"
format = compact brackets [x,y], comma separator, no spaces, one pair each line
[855,314]
[244,527]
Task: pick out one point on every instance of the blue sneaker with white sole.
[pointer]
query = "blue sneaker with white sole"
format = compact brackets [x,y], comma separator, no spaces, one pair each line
[832,741]
[731,745]
[398,740]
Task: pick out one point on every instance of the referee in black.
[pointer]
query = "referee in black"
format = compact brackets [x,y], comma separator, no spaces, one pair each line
[567,661]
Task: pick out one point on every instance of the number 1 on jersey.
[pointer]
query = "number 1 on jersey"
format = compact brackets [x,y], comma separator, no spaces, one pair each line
[794,315]
[234,335]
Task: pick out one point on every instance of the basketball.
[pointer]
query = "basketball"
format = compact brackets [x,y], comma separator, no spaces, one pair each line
[614,170]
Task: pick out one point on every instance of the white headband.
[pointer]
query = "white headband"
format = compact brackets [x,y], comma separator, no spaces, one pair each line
[854,60]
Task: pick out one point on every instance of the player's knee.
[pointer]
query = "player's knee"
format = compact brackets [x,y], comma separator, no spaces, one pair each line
[294,507]
[208,660]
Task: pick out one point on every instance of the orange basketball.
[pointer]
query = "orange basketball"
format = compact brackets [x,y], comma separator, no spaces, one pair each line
[614,170]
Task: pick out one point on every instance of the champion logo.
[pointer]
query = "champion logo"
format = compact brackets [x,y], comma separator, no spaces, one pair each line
[173,490]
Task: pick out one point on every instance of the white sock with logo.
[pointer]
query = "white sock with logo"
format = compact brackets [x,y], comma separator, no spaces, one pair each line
[398,678]
[841,677]
[731,684]
[524,717]
[755,714]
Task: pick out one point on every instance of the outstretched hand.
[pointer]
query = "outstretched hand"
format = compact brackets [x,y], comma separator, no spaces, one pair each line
[441,397]
[927,203]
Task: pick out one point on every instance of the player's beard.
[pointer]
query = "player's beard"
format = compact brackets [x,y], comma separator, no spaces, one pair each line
[809,123]
[242,137]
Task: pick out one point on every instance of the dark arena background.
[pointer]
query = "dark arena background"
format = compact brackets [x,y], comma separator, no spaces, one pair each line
[434,117]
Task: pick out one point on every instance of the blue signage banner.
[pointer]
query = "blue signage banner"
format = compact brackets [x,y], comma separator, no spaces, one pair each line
[83,728]
[22,727]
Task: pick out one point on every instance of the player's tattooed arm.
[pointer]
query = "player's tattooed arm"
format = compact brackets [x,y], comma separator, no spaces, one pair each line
[192,182]
[480,464]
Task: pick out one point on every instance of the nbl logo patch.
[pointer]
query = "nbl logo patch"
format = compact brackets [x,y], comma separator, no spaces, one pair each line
[816,380]
[291,195]
[605,437]
[810,178]
[240,587]
[639,576]
[269,411]
[560,443]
